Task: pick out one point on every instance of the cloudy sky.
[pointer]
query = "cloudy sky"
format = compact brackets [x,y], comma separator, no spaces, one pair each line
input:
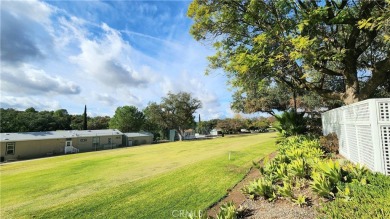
[64,54]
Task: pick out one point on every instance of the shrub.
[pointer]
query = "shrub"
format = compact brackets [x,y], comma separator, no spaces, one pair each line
[228,211]
[331,170]
[314,124]
[330,143]
[198,215]
[355,173]
[281,171]
[291,123]
[301,200]
[300,146]
[326,175]
[286,190]
[269,168]
[321,185]
[299,168]
[262,187]
[368,201]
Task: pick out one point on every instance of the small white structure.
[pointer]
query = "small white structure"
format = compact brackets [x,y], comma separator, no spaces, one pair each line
[189,134]
[363,130]
[216,132]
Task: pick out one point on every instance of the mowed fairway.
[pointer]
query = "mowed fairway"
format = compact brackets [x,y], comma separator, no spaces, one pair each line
[153,181]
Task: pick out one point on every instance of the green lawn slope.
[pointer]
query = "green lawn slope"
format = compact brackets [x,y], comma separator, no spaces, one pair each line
[153,181]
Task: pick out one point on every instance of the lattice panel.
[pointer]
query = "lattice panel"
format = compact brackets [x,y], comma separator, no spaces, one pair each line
[385,137]
[384,111]
[331,121]
[363,130]
[362,113]
[342,144]
[349,114]
[352,143]
[366,148]
[357,113]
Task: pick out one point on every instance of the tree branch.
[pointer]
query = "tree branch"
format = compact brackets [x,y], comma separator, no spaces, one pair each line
[364,46]
[326,70]
[380,74]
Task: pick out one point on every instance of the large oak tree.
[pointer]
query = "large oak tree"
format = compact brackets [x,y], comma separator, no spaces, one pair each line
[338,49]
[176,111]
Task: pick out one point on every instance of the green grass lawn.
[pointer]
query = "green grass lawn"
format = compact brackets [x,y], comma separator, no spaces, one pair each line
[153,181]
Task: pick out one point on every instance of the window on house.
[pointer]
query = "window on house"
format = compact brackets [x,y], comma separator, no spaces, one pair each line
[10,148]
[95,142]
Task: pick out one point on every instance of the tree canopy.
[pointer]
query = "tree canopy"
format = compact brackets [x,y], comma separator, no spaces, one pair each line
[279,97]
[127,119]
[339,50]
[31,120]
[176,111]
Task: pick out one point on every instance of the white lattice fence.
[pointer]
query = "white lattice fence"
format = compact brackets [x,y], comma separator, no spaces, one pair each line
[363,130]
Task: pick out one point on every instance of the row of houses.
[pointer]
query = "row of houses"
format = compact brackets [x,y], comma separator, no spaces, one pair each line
[27,145]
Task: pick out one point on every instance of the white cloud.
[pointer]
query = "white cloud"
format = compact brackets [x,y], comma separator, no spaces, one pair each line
[25,31]
[22,103]
[105,98]
[104,64]
[105,59]
[34,10]
[26,79]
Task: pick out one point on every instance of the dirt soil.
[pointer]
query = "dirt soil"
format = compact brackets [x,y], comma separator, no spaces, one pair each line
[261,208]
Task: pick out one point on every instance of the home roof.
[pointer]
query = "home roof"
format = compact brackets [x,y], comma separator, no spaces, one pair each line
[138,134]
[24,136]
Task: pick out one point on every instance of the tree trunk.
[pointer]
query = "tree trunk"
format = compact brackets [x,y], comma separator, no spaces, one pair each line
[351,94]
[180,136]
[180,133]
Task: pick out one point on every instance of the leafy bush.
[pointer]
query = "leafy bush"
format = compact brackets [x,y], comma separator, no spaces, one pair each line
[262,187]
[314,124]
[326,176]
[330,143]
[299,168]
[291,123]
[353,189]
[300,146]
[281,171]
[198,215]
[331,169]
[321,185]
[286,190]
[301,200]
[355,173]
[227,211]
[367,201]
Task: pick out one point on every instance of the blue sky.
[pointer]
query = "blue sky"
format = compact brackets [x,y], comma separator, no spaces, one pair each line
[64,54]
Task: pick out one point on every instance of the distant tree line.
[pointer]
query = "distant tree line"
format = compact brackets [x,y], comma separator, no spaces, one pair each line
[31,120]
[236,124]
[176,111]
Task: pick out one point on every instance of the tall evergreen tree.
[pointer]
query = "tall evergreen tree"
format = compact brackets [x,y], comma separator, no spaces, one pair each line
[85,126]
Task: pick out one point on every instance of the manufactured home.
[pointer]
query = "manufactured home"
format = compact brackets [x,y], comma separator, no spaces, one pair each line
[27,145]
[133,139]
